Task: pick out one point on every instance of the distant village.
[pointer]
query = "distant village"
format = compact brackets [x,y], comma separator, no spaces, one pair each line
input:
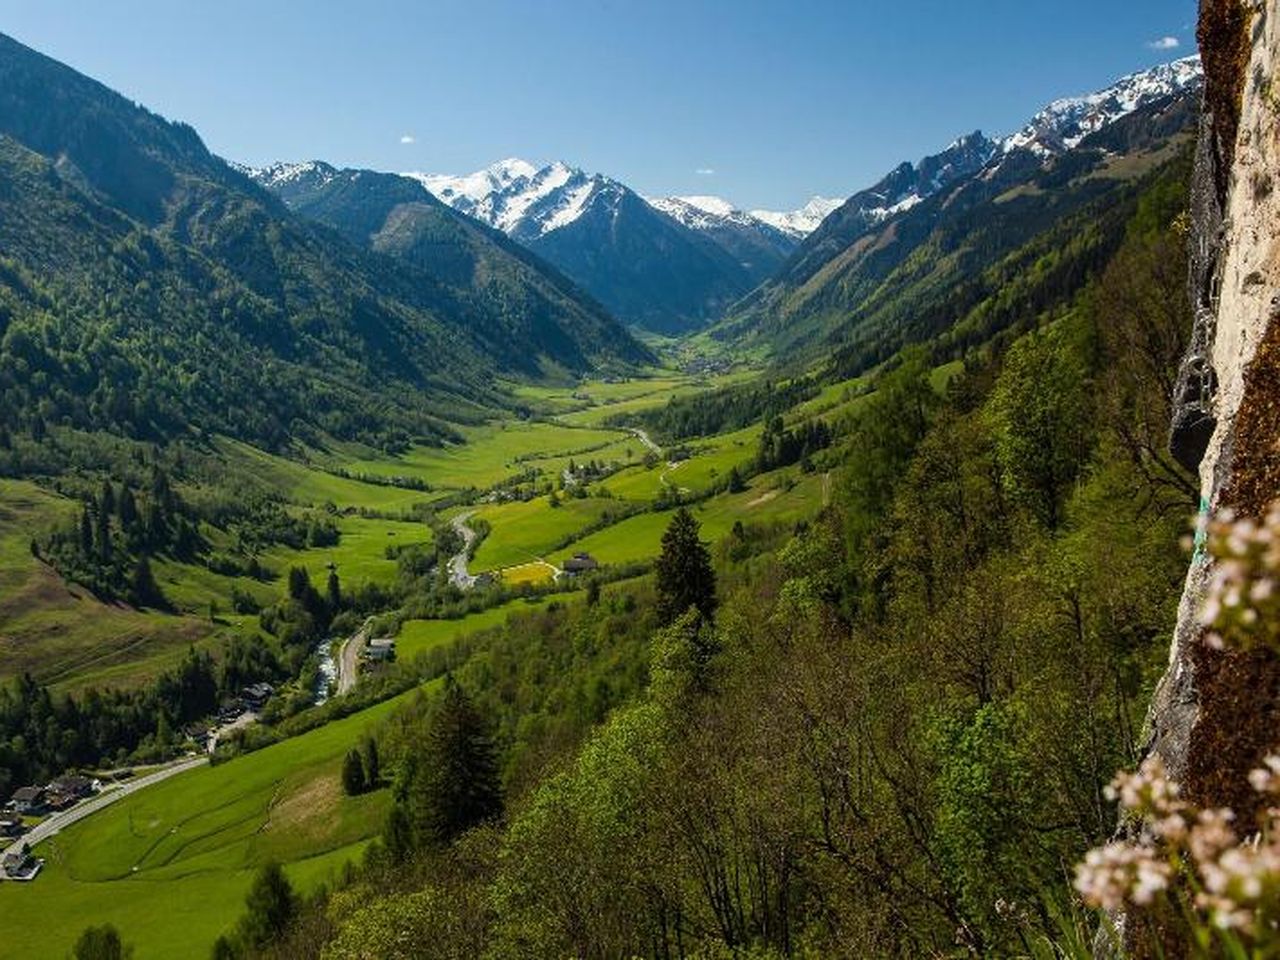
[35,804]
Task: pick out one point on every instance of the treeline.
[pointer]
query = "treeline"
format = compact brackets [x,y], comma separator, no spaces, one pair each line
[119,530]
[43,735]
[719,411]
[781,446]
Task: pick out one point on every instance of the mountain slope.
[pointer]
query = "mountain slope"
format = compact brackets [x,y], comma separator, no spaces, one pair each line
[536,307]
[869,278]
[148,287]
[760,247]
[645,266]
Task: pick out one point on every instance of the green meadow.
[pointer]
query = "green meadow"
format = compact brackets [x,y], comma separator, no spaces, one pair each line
[170,865]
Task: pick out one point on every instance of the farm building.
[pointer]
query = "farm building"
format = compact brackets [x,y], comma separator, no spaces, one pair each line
[28,800]
[580,563]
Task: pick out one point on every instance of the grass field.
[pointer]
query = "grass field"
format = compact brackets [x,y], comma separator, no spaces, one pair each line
[523,531]
[491,454]
[360,555]
[61,633]
[639,537]
[170,865]
[419,636]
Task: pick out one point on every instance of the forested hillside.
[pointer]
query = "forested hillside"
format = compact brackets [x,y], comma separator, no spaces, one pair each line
[144,282]
[872,279]
[888,733]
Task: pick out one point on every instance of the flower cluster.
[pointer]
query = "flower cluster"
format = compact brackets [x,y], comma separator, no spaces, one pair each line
[1193,855]
[1242,604]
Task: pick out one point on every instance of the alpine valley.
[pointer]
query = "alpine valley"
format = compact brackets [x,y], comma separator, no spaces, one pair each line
[515,565]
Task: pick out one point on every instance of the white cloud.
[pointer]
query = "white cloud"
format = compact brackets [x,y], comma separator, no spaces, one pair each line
[1165,43]
[704,171]
[408,138]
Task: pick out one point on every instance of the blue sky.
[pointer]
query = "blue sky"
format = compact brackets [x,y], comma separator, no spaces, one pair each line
[763,103]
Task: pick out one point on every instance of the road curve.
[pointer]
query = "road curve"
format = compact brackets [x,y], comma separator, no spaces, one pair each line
[57,822]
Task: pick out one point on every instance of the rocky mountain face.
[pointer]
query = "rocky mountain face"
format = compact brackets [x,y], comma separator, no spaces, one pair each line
[758,246]
[868,278]
[669,266]
[1216,712]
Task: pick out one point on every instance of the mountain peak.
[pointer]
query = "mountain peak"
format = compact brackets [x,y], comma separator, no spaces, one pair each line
[800,223]
[1066,121]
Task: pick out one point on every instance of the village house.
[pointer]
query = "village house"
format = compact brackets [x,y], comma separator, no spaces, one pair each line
[381,649]
[28,800]
[67,791]
[580,563]
[11,828]
[256,695]
[20,865]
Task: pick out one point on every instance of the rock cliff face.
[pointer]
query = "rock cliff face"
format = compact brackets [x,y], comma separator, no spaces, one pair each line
[1216,713]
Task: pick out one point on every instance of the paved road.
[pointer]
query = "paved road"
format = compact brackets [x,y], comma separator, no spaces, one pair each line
[644,438]
[60,821]
[349,658]
[458,575]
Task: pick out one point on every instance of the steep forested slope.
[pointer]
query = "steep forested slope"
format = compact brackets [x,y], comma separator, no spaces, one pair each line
[533,306]
[874,277]
[147,286]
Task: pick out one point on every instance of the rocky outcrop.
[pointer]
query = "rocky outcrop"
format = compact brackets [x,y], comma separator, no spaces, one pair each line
[1216,713]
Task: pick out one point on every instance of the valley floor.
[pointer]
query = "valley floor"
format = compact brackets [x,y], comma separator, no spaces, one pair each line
[171,864]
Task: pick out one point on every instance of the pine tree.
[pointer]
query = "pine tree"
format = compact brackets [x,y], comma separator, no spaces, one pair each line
[100,943]
[272,906]
[143,589]
[372,766]
[86,533]
[353,778]
[333,590]
[684,574]
[102,532]
[453,782]
[127,508]
[107,501]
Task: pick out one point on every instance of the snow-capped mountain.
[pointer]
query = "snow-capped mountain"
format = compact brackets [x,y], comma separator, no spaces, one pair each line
[515,304]
[1059,127]
[1064,123]
[759,246]
[800,223]
[646,265]
[518,198]
[955,213]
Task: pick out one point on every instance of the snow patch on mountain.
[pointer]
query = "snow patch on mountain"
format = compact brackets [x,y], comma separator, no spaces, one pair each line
[802,222]
[519,198]
[281,174]
[1065,122]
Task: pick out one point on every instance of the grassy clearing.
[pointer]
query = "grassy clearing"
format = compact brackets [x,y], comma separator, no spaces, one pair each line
[525,531]
[61,633]
[419,636]
[491,454]
[767,499]
[360,554]
[170,865]
[308,486]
